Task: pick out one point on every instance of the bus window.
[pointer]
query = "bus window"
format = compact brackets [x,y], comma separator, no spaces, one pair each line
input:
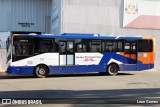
[120,46]
[23,49]
[113,46]
[48,46]
[81,46]
[134,47]
[127,48]
[62,47]
[130,47]
[70,47]
[95,46]
[9,48]
[145,45]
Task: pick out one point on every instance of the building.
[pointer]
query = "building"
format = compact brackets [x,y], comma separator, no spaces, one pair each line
[24,15]
[105,17]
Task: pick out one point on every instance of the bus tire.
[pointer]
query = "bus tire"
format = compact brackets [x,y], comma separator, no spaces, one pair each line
[112,69]
[41,71]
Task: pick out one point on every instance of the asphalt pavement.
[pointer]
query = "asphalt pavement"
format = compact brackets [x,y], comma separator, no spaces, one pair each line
[132,85]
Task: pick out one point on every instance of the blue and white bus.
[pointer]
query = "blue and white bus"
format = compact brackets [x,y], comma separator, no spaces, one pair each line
[44,54]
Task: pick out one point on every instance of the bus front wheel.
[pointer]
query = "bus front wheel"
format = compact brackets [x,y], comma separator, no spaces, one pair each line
[41,71]
[112,69]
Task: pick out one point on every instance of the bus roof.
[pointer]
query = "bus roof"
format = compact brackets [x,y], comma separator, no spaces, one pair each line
[81,36]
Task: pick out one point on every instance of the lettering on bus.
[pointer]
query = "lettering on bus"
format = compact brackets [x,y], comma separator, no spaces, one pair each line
[83,59]
[26,24]
[88,58]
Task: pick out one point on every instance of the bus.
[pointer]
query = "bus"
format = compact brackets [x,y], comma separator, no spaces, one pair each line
[45,54]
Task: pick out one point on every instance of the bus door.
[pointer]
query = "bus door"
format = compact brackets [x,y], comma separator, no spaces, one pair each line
[66,53]
[130,53]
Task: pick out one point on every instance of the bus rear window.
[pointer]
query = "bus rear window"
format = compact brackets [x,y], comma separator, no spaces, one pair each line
[145,46]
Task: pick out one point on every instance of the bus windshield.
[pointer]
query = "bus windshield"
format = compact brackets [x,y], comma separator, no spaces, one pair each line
[8,50]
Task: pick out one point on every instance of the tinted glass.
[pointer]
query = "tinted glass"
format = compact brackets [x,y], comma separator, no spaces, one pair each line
[112,46]
[145,46]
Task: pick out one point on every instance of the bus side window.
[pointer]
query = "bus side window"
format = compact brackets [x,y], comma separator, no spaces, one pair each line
[145,45]
[48,46]
[55,47]
[109,46]
[120,46]
[62,47]
[80,47]
[113,46]
[95,45]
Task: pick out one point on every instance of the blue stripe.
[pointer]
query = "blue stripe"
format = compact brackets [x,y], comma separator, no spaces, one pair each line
[84,36]
[75,69]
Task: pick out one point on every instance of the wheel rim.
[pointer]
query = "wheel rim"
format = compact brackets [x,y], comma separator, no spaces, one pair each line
[42,71]
[113,69]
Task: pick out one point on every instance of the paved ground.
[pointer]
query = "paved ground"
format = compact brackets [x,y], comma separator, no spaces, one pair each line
[124,85]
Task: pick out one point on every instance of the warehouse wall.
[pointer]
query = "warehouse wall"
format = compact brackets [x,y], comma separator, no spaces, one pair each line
[5,13]
[24,15]
[104,17]
[56,17]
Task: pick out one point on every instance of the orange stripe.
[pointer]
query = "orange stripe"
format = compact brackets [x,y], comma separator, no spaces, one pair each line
[145,58]
[132,56]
